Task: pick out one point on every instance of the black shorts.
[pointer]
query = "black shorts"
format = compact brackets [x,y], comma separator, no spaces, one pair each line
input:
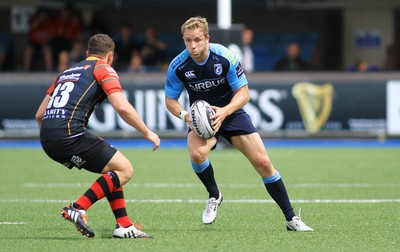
[85,151]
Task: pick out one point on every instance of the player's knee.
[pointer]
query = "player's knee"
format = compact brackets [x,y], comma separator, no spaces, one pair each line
[265,163]
[129,172]
[197,156]
[264,167]
[125,174]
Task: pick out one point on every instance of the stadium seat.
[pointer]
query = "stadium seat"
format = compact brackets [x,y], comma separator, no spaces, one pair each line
[289,37]
[307,50]
[5,41]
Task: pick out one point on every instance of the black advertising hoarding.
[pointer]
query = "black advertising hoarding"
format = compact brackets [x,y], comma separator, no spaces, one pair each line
[18,103]
[309,106]
[319,106]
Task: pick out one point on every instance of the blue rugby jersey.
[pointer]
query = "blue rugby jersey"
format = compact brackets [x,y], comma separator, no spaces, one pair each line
[214,80]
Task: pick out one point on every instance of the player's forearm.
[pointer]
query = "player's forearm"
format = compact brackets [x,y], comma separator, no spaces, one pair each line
[40,112]
[131,117]
[241,98]
[173,106]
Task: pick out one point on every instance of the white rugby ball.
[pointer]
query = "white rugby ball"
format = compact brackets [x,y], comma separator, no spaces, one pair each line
[200,113]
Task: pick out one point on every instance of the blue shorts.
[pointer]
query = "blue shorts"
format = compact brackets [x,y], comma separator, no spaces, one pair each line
[238,123]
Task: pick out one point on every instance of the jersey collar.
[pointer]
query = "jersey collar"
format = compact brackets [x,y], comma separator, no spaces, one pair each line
[92,58]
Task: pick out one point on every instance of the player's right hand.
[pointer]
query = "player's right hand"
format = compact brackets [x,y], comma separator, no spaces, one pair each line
[153,137]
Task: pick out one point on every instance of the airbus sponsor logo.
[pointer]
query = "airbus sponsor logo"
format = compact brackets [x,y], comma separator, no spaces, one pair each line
[206,85]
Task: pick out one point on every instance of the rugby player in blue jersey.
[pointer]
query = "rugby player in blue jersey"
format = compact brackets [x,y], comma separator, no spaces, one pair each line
[211,72]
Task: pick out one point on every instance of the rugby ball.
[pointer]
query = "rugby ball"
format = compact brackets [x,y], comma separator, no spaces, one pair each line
[200,113]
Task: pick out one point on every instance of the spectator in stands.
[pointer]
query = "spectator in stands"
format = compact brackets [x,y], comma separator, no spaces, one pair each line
[125,47]
[2,57]
[362,66]
[68,30]
[154,51]
[92,23]
[136,63]
[69,58]
[41,33]
[292,61]
[392,57]
[6,61]
[248,56]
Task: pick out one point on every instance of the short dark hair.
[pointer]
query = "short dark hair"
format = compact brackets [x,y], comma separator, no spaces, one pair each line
[100,44]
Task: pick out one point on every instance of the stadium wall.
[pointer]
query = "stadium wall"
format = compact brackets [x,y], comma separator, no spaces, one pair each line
[282,105]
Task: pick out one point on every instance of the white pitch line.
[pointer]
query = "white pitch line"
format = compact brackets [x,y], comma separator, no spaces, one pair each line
[13,223]
[199,185]
[239,201]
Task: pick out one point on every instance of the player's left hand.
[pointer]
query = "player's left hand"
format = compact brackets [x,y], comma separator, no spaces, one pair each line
[218,117]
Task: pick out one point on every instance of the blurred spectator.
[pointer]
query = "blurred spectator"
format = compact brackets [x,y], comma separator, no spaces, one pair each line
[2,57]
[92,23]
[248,56]
[136,64]
[69,58]
[362,66]
[41,33]
[393,57]
[153,51]
[292,61]
[125,48]
[68,30]
[6,60]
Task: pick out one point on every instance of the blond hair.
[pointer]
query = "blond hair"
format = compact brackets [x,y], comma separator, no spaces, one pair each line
[195,23]
[100,44]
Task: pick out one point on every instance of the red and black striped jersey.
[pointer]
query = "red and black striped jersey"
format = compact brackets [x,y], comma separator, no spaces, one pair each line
[75,93]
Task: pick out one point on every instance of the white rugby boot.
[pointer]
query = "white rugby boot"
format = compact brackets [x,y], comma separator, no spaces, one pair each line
[129,232]
[210,212]
[296,224]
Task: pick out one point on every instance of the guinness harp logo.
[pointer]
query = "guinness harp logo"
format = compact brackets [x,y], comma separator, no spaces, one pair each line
[315,104]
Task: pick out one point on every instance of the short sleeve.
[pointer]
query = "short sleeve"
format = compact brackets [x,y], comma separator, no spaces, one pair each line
[107,77]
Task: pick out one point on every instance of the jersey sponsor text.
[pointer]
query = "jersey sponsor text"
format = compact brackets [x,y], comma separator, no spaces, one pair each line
[205,85]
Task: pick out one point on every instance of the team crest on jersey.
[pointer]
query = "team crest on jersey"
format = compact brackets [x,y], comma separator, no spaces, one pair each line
[218,68]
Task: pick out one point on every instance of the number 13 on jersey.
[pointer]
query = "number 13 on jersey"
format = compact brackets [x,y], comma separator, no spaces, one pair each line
[60,95]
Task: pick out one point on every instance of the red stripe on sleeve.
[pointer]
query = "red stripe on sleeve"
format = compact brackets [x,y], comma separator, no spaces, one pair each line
[107,78]
[52,87]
